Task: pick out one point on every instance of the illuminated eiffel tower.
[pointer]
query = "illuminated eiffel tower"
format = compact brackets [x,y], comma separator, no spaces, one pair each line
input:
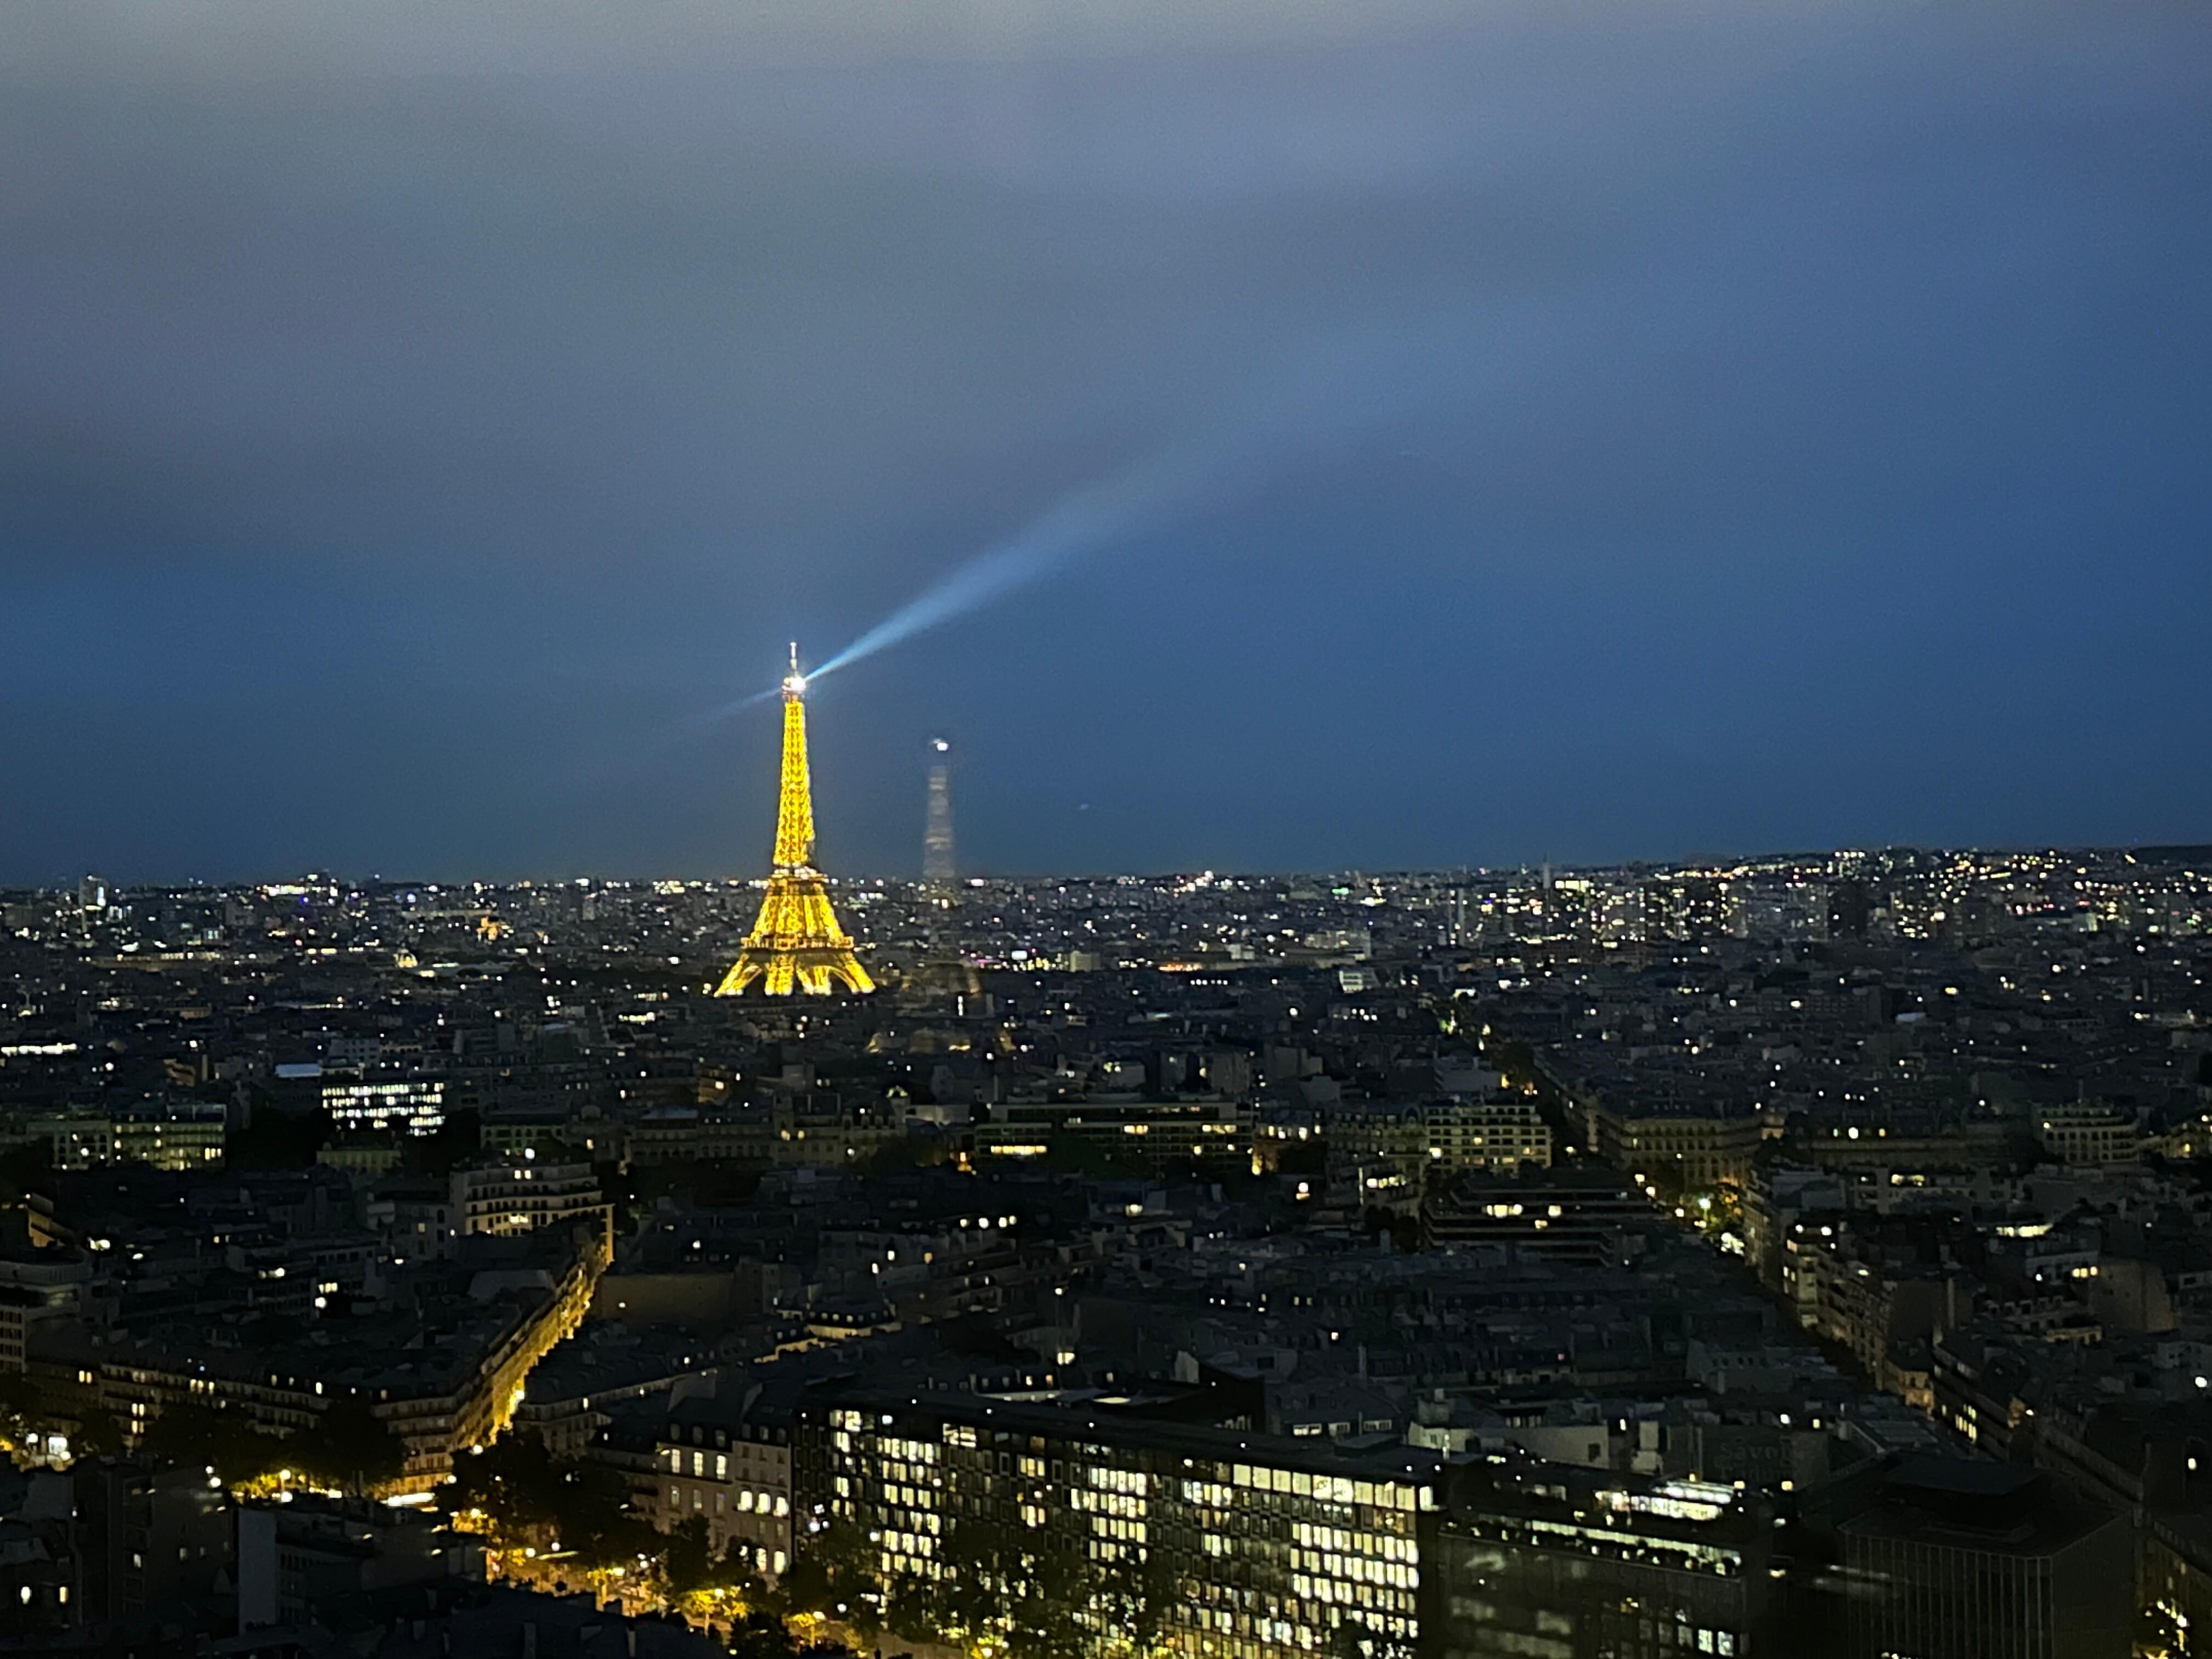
[796,944]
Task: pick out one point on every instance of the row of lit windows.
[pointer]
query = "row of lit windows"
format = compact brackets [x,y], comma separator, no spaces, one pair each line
[1389,1546]
[1130,1487]
[746,1501]
[1309,1588]
[1332,1489]
[1281,1632]
[1625,1546]
[1106,1503]
[1359,1569]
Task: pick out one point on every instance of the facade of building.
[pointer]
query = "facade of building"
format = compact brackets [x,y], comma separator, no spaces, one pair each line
[440,1398]
[1545,1559]
[76,1140]
[36,1285]
[174,1138]
[1869,1308]
[508,1198]
[412,1106]
[1691,1146]
[1580,1214]
[1960,1558]
[2176,1590]
[548,1132]
[1377,1149]
[416,1217]
[1225,1544]
[2090,1134]
[1504,1134]
[1773,1201]
[468,1404]
[1164,1136]
[721,1460]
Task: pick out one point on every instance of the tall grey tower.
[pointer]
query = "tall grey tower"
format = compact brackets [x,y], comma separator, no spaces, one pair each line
[943,971]
[938,869]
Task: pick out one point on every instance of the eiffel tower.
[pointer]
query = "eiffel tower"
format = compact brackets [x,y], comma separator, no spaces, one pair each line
[796,944]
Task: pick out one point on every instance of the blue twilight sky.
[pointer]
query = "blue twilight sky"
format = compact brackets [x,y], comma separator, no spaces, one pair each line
[1498,430]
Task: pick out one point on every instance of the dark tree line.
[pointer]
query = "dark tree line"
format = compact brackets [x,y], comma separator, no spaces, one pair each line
[349,1447]
[530,1498]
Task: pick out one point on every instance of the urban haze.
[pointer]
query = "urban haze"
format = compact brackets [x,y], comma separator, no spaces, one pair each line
[1033,829]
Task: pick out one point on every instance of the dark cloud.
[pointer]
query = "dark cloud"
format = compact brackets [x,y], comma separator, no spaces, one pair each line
[1751,425]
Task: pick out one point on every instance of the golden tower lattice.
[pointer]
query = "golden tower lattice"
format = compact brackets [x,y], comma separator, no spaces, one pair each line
[796,944]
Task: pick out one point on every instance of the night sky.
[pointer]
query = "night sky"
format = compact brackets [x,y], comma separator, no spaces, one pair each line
[1567,430]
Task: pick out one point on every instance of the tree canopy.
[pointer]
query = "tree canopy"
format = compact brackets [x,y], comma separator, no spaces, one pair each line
[201,1436]
[350,1446]
[530,1497]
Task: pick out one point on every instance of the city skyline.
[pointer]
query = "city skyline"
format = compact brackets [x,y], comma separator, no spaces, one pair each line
[1431,435]
[1714,864]
[1106,829]
[935,844]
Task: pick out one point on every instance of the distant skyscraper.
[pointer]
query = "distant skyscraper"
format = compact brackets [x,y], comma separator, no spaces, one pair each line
[938,866]
[796,944]
[92,891]
[944,967]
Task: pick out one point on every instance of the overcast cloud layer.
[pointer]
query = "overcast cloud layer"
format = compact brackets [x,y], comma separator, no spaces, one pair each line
[1652,429]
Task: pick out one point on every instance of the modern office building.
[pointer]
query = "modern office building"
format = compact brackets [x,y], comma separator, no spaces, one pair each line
[409,1105]
[1955,1558]
[1540,1559]
[175,1136]
[1218,1544]
[1167,1137]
